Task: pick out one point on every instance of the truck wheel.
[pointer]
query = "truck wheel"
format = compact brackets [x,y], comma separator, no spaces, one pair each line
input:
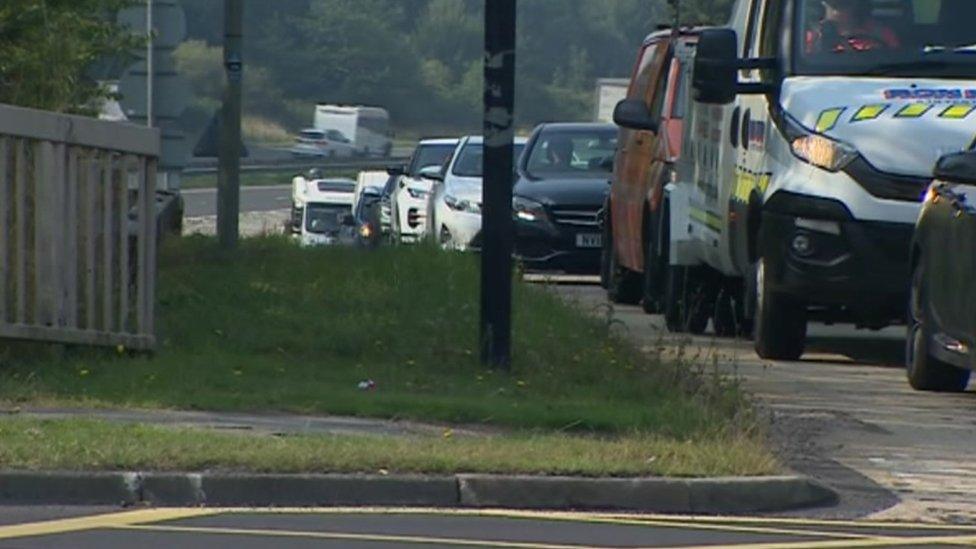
[651,279]
[925,372]
[781,322]
[686,307]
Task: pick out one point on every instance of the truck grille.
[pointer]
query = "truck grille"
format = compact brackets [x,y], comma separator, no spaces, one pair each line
[577,217]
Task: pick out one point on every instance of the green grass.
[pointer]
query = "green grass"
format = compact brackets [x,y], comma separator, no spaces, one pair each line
[92,445]
[258,179]
[280,328]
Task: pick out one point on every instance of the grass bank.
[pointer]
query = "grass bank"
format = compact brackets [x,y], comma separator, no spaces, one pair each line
[99,446]
[287,329]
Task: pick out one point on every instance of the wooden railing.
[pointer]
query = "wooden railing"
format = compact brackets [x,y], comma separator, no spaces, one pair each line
[77,229]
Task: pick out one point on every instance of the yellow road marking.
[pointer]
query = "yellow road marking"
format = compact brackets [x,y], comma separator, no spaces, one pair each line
[112,520]
[350,537]
[692,525]
[585,516]
[880,541]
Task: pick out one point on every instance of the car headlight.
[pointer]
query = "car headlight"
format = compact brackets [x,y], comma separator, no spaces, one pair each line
[527,210]
[417,194]
[460,205]
[819,150]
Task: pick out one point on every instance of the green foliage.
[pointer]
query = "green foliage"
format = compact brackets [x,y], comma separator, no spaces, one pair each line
[278,327]
[47,45]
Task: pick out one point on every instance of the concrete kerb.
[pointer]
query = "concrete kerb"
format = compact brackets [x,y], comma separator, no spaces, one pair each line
[704,496]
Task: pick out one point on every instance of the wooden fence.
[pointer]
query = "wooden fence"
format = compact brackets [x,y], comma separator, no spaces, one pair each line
[77,229]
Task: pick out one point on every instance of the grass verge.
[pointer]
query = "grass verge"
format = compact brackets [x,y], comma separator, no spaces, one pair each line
[280,328]
[100,446]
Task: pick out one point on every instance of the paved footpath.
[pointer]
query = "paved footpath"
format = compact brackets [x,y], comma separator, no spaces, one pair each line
[844,415]
[387,528]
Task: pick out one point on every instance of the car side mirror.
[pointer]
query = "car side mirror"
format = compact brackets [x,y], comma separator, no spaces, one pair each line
[715,77]
[432,173]
[633,114]
[957,168]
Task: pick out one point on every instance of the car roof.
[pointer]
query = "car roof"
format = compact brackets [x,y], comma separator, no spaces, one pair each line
[478,140]
[440,141]
[576,126]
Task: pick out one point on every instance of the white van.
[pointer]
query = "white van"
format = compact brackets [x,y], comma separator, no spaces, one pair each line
[367,127]
[810,143]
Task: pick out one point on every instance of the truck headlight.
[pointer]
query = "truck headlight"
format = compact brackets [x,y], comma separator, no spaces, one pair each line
[528,210]
[819,150]
[460,205]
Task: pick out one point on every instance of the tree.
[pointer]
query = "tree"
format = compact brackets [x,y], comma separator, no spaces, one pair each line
[46,46]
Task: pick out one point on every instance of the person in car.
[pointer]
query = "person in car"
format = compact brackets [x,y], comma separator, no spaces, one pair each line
[848,26]
[560,153]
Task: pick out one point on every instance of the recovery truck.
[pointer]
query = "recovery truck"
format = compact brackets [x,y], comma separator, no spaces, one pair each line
[809,145]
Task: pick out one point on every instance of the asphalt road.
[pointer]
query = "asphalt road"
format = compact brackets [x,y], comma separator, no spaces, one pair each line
[845,415]
[203,202]
[377,528]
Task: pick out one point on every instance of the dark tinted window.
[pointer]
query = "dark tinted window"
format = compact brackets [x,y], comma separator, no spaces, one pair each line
[429,155]
[470,162]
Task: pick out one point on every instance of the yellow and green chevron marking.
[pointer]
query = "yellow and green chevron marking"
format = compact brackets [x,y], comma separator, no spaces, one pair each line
[958,111]
[829,118]
[869,112]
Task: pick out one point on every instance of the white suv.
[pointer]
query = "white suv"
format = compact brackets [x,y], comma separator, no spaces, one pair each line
[408,203]
[454,214]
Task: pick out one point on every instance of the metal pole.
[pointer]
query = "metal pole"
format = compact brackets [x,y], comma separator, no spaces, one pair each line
[228,180]
[498,237]
[150,63]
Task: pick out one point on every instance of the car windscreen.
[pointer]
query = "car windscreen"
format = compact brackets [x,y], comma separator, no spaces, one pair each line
[311,135]
[587,152]
[470,161]
[896,38]
[325,218]
[429,155]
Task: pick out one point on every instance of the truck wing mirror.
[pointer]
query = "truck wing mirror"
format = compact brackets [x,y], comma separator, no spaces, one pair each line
[957,168]
[716,73]
[633,114]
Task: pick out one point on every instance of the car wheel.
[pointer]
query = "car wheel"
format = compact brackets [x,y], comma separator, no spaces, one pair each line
[686,304]
[925,372]
[781,321]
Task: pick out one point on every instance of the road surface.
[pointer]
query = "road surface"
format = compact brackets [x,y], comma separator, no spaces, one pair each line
[203,202]
[845,415]
[377,528]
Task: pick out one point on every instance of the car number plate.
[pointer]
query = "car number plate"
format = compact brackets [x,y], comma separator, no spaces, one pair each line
[590,240]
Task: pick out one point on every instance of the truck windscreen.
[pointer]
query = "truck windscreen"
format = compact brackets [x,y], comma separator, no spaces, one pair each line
[896,38]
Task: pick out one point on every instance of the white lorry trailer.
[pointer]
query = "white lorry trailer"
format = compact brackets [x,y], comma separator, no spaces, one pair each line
[810,143]
[368,128]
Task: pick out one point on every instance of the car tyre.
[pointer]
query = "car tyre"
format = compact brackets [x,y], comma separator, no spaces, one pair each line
[780,323]
[686,305]
[925,372]
[651,277]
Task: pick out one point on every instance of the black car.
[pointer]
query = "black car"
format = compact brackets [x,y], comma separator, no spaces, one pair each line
[364,227]
[942,333]
[563,179]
